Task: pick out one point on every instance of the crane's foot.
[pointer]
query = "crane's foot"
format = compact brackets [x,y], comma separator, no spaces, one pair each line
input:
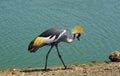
[45,69]
[65,67]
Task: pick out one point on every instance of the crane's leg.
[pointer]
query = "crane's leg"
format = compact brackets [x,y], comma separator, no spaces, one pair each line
[60,57]
[47,57]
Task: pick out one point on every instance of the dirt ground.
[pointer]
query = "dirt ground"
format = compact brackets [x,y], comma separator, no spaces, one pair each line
[93,69]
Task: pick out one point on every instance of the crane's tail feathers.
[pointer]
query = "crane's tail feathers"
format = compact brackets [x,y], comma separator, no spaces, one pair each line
[77,30]
[31,47]
[35,44]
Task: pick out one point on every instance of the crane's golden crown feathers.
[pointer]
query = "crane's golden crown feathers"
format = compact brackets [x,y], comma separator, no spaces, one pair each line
[77,29]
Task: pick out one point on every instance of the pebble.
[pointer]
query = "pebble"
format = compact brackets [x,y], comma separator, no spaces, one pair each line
[115,56]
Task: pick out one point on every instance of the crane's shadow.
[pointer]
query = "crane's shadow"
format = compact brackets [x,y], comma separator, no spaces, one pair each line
[35,70]
[41,70]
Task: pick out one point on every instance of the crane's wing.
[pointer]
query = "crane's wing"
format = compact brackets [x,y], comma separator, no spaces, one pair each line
[53,32]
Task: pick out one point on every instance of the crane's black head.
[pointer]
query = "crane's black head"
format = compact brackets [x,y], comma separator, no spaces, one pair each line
[76,36]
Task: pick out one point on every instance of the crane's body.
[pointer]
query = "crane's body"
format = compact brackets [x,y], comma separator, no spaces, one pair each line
[52,37]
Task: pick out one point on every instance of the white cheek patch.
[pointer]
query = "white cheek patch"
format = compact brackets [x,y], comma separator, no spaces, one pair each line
[76,35]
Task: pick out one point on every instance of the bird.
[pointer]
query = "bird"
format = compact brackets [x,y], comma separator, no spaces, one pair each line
[52,37]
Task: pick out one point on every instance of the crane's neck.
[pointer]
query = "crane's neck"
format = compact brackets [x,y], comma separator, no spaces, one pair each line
[69,40]
[74,36]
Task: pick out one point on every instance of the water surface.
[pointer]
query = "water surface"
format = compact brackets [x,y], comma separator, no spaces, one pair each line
[22,20]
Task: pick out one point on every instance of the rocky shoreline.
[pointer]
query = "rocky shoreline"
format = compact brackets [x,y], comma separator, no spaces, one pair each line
[92,69]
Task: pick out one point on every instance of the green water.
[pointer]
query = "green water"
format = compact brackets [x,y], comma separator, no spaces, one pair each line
[22,20]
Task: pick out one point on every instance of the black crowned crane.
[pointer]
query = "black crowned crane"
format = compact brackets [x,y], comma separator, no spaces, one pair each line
[53,37]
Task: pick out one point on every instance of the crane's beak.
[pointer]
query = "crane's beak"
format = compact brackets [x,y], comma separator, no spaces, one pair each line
[78,36]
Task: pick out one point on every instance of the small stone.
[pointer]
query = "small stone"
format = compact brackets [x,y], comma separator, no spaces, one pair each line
[115,56]
[93,61]
[13,73]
